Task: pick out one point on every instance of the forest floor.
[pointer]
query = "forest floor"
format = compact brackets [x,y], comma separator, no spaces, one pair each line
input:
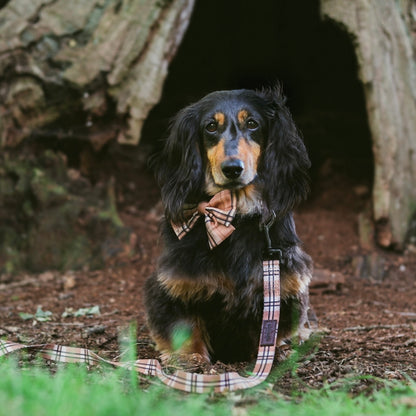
[366,324]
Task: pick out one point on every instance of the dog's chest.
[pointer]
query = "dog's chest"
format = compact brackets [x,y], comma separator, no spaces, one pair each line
[230,273]
[213,289]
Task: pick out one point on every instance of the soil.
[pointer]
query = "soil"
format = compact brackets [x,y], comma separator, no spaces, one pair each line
[366,324]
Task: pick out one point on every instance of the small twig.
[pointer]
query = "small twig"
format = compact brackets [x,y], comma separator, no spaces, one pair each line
[12,285]
[406,314]
[371,327]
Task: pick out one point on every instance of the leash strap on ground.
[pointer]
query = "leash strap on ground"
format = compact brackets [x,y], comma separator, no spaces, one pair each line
[181,380]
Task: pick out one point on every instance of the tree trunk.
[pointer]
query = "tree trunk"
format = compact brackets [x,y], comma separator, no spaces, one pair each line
[82,63]
[81,69]
[384,33]
[94,69]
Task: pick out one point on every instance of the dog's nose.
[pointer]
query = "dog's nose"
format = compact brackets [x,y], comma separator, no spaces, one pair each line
[232,168]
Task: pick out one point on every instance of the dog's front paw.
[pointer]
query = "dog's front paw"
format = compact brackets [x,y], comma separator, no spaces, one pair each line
[192,362]
[308,327]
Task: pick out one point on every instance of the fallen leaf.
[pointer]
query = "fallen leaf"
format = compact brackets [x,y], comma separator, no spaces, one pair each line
[40,315]
[94,310]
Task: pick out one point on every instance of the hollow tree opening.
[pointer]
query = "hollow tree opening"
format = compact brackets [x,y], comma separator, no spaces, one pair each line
[237,45]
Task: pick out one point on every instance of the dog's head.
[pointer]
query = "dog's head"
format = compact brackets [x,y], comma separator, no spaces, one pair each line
[232,140]
[232,133]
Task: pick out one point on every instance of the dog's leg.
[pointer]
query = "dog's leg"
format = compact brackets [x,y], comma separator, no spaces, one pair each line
[294,320]
[304,326]
[179,336]
[296,274]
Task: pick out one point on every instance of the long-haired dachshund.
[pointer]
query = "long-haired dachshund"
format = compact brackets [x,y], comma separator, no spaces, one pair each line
[236,157]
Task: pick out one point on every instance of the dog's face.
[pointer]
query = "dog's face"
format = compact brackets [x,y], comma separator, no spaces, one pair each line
[232,134]
[239,139]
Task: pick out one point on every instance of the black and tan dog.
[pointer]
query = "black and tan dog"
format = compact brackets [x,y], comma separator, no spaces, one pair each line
[245,143]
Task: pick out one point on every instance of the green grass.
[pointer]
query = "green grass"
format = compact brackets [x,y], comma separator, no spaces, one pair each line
[73,390]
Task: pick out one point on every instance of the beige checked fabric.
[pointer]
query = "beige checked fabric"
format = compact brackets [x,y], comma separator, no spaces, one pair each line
[181,380]
[219,213]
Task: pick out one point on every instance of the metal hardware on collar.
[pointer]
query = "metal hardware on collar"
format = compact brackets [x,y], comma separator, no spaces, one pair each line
[271,252]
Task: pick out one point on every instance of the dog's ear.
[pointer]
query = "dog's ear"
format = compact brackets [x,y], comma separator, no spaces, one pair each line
[284,163]
[179,166]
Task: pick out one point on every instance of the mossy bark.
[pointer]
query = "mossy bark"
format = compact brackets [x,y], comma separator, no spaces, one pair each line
[74,71]
[52,218]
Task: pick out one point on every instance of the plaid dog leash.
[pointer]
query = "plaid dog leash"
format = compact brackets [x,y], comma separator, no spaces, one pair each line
[181,380]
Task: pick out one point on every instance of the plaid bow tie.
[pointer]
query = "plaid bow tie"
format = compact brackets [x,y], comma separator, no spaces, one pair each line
[219,213]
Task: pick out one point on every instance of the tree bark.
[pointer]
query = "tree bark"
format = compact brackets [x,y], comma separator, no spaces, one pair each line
[81,69]
[91,59]
[384,33]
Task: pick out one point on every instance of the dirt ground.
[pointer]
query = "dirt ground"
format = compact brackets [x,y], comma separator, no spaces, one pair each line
[367,324]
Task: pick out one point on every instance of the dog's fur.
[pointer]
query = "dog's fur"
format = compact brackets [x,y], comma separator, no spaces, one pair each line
[218,294]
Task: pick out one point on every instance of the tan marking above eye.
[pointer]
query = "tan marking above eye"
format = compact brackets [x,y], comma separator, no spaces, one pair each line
[242,116]
[219,118]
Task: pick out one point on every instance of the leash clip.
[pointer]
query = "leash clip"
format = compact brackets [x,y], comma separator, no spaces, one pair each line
[271,252]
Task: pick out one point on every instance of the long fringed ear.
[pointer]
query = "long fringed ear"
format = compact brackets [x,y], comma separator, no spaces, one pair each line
[284,163]
[179,166]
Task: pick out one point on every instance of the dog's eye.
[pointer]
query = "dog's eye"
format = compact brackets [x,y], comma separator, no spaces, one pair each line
[252,124]
[211,127]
